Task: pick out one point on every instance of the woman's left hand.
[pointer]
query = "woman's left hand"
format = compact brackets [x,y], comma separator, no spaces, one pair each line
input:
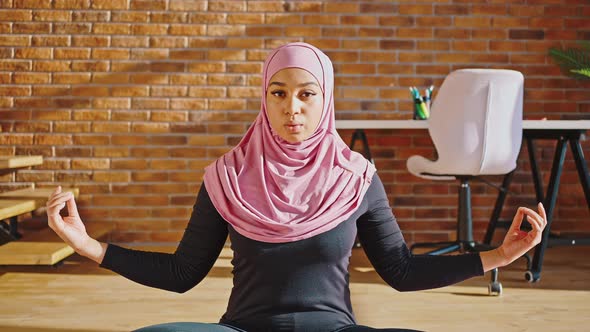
[518,242]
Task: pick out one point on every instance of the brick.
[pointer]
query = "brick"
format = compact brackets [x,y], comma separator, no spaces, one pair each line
[52,15]
[110,127]
[389,44]
[452,10]
[132,17]
[149,103]
[90,41]
[339,32]
[15,115]
[227,6]
[513,22]
[208,18]
[169,17]
[110,176]
[188,104]
[71,28]
[32,3]
[109,4]
[71,53]
[268,31]
[89,91]
[13,15]
[283,18]
[129,41]
[360,44]
[18,139]
[188,29]
[328,19]
[49,139]
[246,67]
[419,33]
[265,6]
[150,53]
[245,18]
[207,92]
[90,163]
[452,33]
[169,91]
[32,53]
[51,115]
[14,41]
[308,31]
[206,42]
[110,78]
[94,115]
[129,91]
[149,29]
[226,104]
[69,151]
[245,43]
[130,115]
[415,9]
[15,65]
[494,10]
[110,54]
[232,30]
[31,127]
[150,79]
[71,78]
[526,34]
[71,4]
[207,67]
[378,8]
[91,16]
[169,42]
[15,91]
[53,66]
[111,28]
[342,7]
[188,5]
[225,79]
[169,116]
[147,4]
[110,103]
[31,28]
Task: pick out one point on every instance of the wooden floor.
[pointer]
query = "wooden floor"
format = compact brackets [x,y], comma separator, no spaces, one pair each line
[79,296]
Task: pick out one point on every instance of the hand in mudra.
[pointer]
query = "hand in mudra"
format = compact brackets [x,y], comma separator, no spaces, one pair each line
[71,229]
[518,242]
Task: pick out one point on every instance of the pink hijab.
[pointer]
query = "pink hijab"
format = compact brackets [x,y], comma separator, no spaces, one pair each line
[274,191]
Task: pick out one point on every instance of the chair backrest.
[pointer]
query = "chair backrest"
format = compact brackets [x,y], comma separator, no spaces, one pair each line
[476,121]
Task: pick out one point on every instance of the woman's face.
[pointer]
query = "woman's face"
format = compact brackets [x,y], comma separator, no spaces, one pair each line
[294,103]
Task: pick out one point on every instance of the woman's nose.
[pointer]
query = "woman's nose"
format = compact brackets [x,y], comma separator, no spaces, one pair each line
[293,107]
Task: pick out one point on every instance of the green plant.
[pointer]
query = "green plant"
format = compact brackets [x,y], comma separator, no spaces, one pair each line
[574,62]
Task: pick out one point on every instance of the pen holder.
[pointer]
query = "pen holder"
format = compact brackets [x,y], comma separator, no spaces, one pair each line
[421,111]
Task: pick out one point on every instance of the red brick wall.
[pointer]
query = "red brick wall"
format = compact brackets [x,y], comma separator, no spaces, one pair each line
[129,99]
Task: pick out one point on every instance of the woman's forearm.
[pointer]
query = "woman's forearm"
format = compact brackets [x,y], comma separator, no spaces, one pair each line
[492,259]
[94,250]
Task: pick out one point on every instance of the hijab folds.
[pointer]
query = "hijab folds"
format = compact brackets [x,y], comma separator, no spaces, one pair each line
[271,190]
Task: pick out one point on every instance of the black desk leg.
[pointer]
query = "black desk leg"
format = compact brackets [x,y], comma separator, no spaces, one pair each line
[581,167]
[535,170]
[360,134]
[535,273]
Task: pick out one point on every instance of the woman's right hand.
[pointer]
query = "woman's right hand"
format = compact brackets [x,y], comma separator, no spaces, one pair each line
[71,229]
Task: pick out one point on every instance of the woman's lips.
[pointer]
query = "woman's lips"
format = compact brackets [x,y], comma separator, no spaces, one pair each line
[294,127]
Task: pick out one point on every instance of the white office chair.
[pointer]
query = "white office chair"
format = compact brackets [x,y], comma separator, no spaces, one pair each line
[476,126]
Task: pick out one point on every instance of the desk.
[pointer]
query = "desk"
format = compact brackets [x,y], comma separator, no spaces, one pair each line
[563,131]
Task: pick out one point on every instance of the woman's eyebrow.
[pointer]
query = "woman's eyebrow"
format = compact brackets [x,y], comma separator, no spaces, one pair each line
[299,85]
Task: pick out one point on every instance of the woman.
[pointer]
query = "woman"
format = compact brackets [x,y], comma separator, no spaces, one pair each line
[292,197]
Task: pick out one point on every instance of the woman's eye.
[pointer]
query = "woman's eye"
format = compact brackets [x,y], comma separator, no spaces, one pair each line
[278,93]
[307,94]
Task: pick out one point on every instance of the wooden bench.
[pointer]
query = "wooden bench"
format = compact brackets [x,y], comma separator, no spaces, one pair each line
[12,162]
[39,195]
[10,209]
[45,247]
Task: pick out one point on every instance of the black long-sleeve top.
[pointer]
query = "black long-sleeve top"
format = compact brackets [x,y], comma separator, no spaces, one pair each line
[294,286]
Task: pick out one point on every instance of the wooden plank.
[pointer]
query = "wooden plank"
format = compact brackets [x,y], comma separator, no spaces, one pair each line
[96,230]
[14,207]
[33,253]
[10,162]
[40,195]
